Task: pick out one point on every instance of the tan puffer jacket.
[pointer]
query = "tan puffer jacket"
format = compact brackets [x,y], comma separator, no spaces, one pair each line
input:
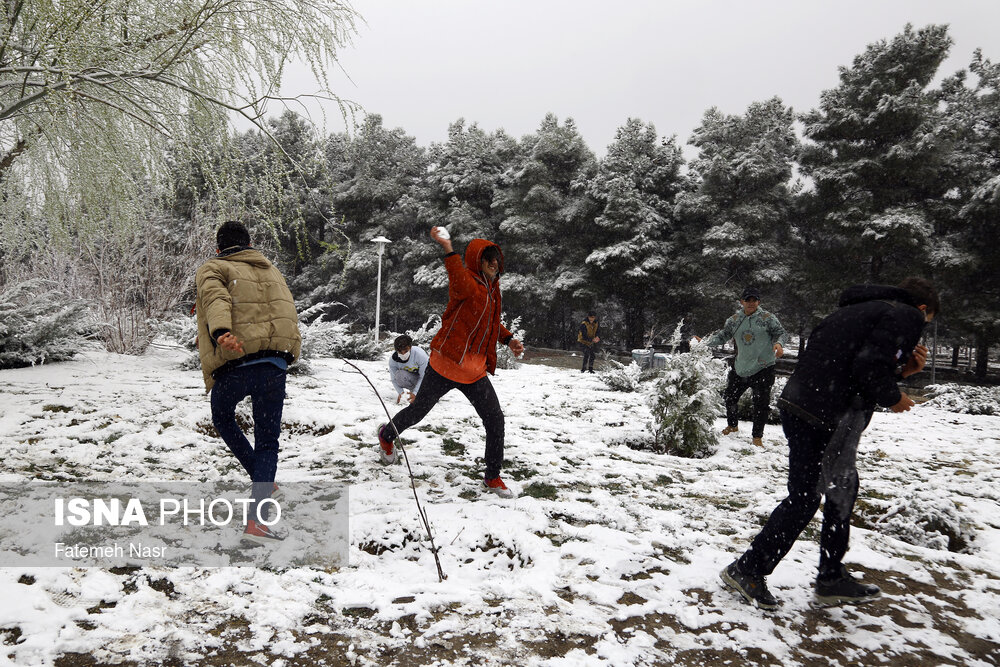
[247,295]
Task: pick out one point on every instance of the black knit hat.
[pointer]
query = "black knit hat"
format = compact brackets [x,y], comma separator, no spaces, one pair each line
[232,233]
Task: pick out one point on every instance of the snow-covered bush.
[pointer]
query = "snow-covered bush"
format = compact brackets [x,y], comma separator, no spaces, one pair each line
[686,402]
[334,338]
[744,409]
[423,334]
[184,332]
[506,358]
[964,399]
[38,324]
[922,518]
[619,377]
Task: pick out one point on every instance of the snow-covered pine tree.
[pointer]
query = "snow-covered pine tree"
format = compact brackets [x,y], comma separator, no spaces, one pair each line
[38,324]
[970,265]
[686,401]
[546,230]
[878,159]
[635,186]
[378,173]
[743,198]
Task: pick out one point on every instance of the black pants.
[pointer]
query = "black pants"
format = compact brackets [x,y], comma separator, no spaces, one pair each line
[760,384]
[588,356]
[806,444]
[483,398]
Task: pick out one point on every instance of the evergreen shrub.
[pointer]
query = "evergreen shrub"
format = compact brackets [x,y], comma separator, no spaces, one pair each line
[619,377]
[506,358]
[38,324]
[964,399]
[685,403]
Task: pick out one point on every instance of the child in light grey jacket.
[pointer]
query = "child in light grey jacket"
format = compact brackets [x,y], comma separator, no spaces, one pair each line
[406,368]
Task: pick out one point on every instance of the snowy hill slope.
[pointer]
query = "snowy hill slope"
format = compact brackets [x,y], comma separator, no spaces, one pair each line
[609,555]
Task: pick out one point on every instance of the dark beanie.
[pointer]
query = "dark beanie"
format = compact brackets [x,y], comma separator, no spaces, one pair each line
[232,233]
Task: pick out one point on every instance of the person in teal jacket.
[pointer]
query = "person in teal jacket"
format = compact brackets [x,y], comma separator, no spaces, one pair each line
[759,336]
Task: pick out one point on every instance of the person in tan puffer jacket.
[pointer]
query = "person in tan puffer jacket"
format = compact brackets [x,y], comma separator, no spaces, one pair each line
[248,334]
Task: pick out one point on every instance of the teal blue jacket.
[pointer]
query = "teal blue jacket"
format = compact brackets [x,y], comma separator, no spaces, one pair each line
[755,336]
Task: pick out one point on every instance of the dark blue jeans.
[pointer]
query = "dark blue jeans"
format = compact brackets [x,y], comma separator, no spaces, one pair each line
[265,385]
[806,444]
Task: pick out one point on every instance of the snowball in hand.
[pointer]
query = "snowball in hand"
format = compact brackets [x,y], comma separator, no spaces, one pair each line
[443,234]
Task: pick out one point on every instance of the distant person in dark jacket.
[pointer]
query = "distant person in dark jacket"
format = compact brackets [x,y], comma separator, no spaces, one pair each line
[854,357]
[588,338]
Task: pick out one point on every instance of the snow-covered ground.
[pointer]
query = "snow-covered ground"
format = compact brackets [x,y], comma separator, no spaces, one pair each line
[609,555]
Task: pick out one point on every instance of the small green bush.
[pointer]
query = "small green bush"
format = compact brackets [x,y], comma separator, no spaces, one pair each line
[686,402]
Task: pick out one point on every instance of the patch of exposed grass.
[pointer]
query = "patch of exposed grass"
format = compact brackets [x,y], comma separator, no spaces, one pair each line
[452,447]
[540,490]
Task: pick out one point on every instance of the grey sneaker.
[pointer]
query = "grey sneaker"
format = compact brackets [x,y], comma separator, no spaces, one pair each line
[843,588]
[753,589]
[258,533]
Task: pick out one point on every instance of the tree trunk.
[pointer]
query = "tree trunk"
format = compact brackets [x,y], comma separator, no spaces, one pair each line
[982,356]
[876,268]
[954,356]
[634,324]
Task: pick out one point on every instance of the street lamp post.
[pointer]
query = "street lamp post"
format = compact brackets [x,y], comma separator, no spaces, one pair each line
[381,241]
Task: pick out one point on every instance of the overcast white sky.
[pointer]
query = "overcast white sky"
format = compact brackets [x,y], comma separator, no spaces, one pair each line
[424,64]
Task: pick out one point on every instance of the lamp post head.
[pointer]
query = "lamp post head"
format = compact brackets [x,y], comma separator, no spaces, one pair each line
[381,241]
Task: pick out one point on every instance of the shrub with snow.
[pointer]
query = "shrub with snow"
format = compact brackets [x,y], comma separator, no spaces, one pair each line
[38,324]
[183,331]
[332,338]
[506,358]
[922,518]
[686,402]
[965,399]
[619,377]
[423,334]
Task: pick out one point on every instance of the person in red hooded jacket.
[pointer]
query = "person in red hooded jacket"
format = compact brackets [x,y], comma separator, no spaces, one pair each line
[464,351]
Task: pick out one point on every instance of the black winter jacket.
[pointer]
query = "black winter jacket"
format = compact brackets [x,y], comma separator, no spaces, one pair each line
[855,351]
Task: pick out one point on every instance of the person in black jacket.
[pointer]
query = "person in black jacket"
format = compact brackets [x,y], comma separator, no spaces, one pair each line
[854,357]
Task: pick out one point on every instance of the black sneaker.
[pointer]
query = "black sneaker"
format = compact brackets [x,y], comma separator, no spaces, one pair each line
[753,589]
[844,588]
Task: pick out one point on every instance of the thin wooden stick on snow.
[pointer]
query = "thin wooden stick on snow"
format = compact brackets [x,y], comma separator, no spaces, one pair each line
[413,482]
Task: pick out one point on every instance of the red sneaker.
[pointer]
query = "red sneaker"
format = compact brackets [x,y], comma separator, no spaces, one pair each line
[496,486]
[387,451]
[258,533]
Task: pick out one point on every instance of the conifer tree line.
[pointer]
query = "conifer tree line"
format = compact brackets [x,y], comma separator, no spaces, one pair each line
[894,172]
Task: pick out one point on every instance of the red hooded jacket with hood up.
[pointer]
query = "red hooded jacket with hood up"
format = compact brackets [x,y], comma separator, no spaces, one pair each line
[471,324]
